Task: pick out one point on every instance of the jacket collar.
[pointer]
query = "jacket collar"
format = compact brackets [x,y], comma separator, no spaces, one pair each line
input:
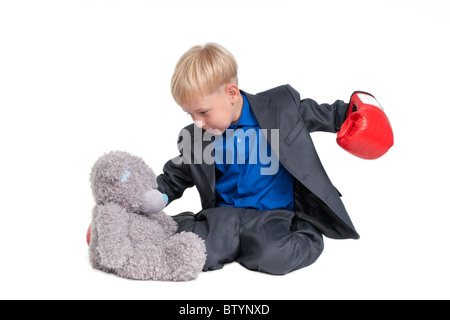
[267,115]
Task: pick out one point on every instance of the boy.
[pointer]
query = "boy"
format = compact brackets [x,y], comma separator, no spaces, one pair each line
[266,203]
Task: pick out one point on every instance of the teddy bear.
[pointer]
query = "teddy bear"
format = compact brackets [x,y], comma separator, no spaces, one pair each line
[130,235]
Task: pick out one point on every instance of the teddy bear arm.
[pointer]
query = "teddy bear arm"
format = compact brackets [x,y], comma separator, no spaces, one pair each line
[166,222]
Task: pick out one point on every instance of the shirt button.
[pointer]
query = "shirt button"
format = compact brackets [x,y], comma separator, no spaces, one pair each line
[239,140]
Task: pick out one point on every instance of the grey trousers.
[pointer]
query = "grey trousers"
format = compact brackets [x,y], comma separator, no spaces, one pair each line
[270,241]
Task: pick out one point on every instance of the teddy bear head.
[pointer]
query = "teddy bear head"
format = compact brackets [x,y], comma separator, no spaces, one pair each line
[121,178]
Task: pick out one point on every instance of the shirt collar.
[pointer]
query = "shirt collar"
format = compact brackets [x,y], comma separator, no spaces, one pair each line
[247,117]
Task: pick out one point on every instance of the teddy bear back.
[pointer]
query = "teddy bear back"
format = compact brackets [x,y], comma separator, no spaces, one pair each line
[121,178]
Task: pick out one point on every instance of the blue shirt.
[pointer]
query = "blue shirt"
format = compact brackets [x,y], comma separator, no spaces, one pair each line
[241,154]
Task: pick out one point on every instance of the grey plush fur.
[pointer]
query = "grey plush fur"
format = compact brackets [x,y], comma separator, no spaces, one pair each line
[130,234]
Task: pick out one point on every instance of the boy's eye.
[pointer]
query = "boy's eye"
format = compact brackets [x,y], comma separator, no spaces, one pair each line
[204,112]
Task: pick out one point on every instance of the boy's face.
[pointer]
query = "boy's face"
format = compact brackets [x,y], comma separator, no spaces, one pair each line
[217,111]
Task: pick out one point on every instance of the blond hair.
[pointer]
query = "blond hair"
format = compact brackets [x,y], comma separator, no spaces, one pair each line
[201,71]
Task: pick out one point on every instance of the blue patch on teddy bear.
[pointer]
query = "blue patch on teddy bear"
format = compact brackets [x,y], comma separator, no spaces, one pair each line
[125,176]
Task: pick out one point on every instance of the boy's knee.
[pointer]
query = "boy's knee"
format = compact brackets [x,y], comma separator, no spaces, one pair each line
[280,261]
[293,252]
[274,261]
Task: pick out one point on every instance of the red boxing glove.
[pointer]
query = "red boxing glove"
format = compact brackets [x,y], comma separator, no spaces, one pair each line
[367,132]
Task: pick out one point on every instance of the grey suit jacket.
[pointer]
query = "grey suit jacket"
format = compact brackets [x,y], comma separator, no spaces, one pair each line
[316,199]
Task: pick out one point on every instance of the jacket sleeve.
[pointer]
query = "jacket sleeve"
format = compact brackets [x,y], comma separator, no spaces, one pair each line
[320,117]
[175,179]
[177,175]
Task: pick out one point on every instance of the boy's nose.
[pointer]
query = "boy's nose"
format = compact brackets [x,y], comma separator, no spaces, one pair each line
[199,123]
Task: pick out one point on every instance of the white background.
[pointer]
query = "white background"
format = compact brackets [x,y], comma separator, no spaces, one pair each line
[80,78]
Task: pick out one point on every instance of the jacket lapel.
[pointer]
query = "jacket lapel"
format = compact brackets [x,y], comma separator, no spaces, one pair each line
[267,115]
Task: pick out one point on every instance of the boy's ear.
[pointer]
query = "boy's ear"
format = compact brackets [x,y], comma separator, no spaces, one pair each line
[232,91]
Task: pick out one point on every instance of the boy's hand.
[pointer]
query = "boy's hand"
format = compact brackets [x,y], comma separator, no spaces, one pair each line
[367,132]
[153,202]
